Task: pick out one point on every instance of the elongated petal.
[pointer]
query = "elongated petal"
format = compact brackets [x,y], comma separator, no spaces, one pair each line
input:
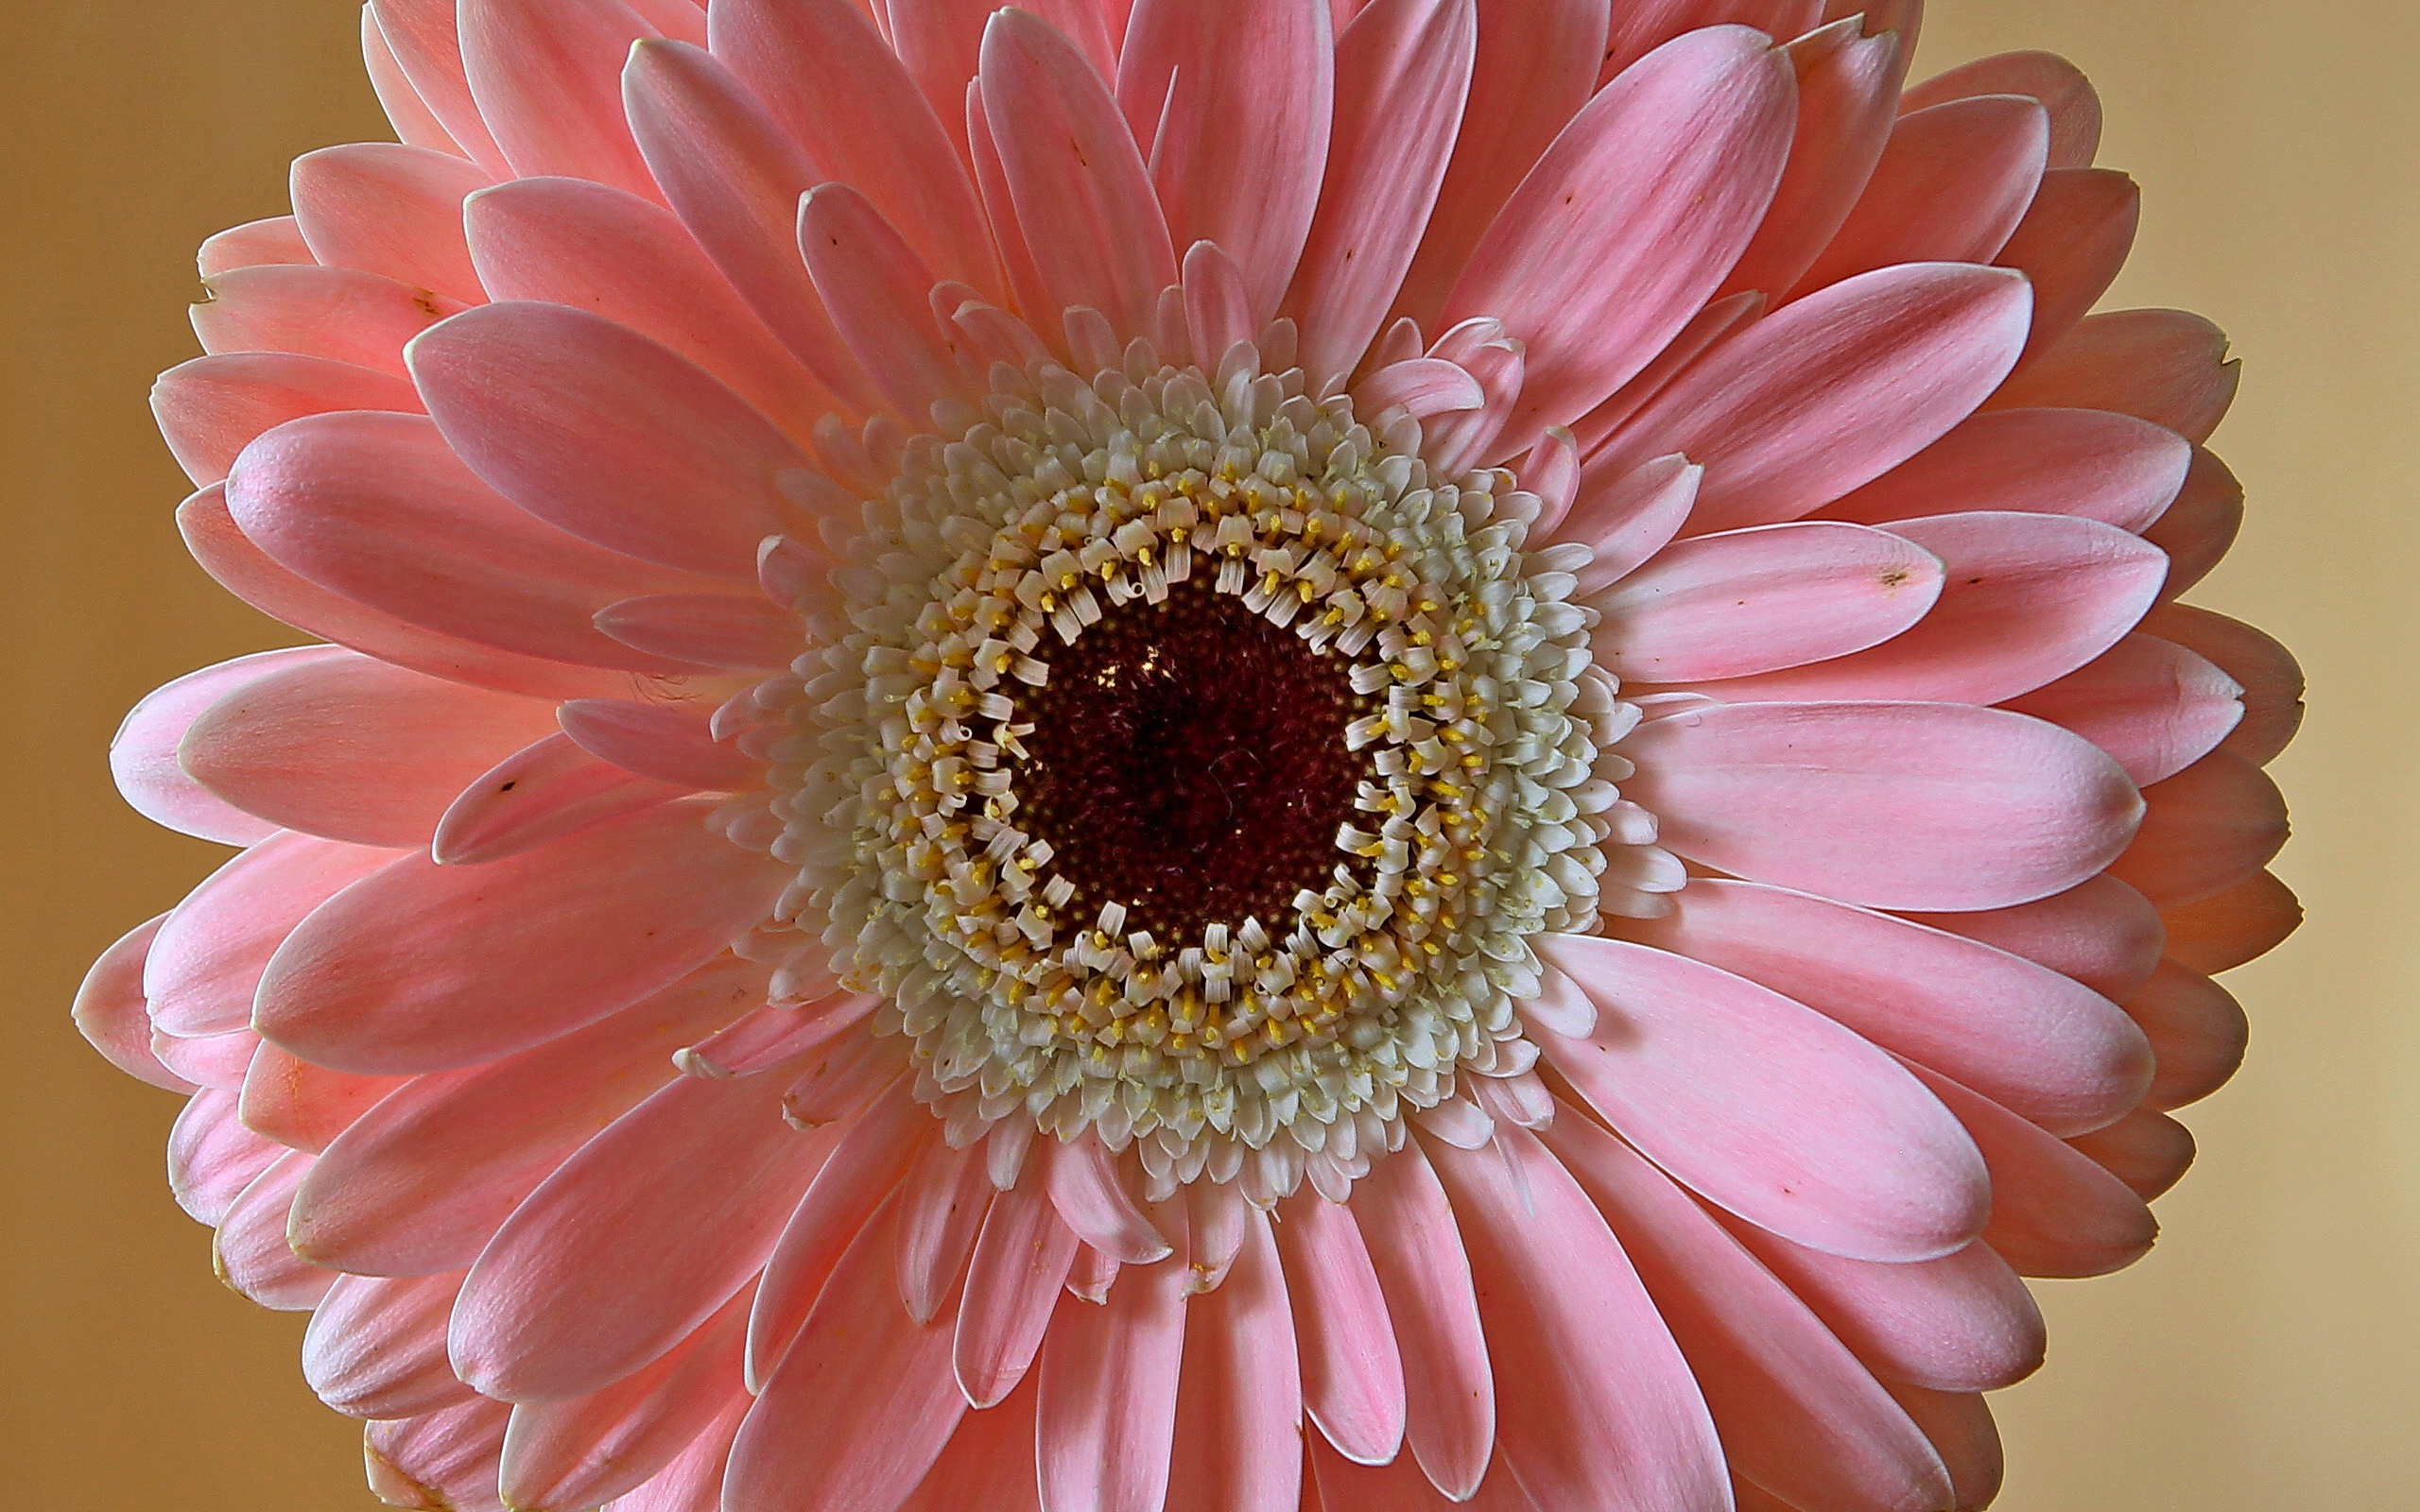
[2053,1212]
[203,969]
[377,1346]
[2071,243]
[2226,929]
[1110,1374]
[2151,703]
[1239,1405]
[446,1458]
[875,287]
[2061,87]
[302,1106]
[1012,1281]
[2087,462]
[1627,518]
[942,1203]
[112,1016]
[424,969]
[253,244]
[1951,187]
[2271,682]
[2211,826]
[2147,1150]
[669,745]
[1977,808]
[1630,220]
[1426,1276]
[1353,1379]
[211,409]
[547,81]
[1748,601]
[409,115]
[251,1255]
[1963,1322]
[391,209]
[541,793]
[333,313]
[143,753]
[212,1157]
[1767,1108]
[716,629]
[989,1464]
[2101,932]
[1848,80]
[428,51]
[2163,366]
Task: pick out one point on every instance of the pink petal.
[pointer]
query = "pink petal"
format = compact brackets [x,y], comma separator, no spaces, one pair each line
[1421,387]
[251,1254]
[875,287]
[1833,390]
[623,1252]
[255,243]
[2101,932]
[112,1016]
[599,249]
[1766,1107]
[302,1106]
[2147,1151]
[1953,183]
[2152,704]
[1962,1322]
[1626,518]
[2087,462]
[2209,827]
[331,313]
[1088,1188]
[1890,805]
[2163,366]
[2053,1212]
[350,748]
[374,507]
[2062,88]
[1848,81]
[1070,165]
[735,178]
[942,1203]
[2271,682]
[1707,330]
[714,629]
[2020,1033]
[218,1061]
[1352,1378]
[2198,529]
[422,969]
[1598,1407]
[1630,220]
[419,1183]
[1402,72]
[541,793]
[421,35]
[1109,1395]
[824,72]
[570,1456]
[445,1459]
[1235,101]
[211,409]
[1796,1411]
[407,112]
[1747,601]
[1341,1485]
[989,1464]
[1961,1428]
[1642,25]
[2226,929]
[212,1157]
[1426,1275]
[241,567]
[143,753]
[1535,68]
[376,1348]
[669,745]
[2071,243]
[1012,1281]
[599,430]
[1240,1401]
[547,82]
[2197,1031]
[390,210]
[206,963]
[861,1408]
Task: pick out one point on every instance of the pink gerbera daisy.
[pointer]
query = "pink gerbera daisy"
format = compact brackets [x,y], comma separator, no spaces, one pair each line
[1210,755]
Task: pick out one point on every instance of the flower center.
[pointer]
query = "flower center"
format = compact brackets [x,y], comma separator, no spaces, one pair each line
[1188,762]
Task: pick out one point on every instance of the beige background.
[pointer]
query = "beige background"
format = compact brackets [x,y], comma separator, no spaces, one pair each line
[2266,1357]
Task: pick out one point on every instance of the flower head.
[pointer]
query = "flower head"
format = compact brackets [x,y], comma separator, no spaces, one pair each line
[1195,755]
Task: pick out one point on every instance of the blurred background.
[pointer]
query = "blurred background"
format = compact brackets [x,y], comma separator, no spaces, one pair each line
[2266,1356]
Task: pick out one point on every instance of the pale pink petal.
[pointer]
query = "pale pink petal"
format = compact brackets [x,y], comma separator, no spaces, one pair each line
[302,1106]
[1338,1485]
[1833,390]
[1963,1322]
[333,313]
[1961,1428]
[1641,26]
[218,1061]
[1421,387]
[1848,80]
[1953,183]
[2163,366]
[212,1157]
[2086,462]
[1535,67]
[1109,1380]
[1012,1283]
[2152,704]
[391,209]
[2053,1212]
[1743,602]
[1767,1108]
[1630,220]
[2071,243]
[599,430]
[574,1454]
[941,42]
[2075,110]
[2101,932]
[421,970]
[1402,72]
[427,50]
[1070,165]
[624,1251]
[549,789]
[349,749]
[112,1016]
[377,1346]
[2045,1046]
[255,243]
[1241,1405]
[2197,1030]
[2226,929]
[2211,826]
[2198,529]
[823,71]
[1553,472]
[1087,1188]
[1426,1275]
[1707,330]
[1235,100]
[989,1464]
[443,1461]
[1796,1411]
[667,744]
[206,963]
[211,409]
[143,753]
[942,1203]
[2147,1150]
[1456,441]
[1890,805]
[374,507]
[251,1254]
[409,115]
[1627,516]
[2271,682]
[772,1033]
[1352,1378]
[548,80]
[602,250]
[419,1183]
[1597,1408]
[714,629]
[875,289]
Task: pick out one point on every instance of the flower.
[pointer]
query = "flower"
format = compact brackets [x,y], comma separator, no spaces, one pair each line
[1400,752]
